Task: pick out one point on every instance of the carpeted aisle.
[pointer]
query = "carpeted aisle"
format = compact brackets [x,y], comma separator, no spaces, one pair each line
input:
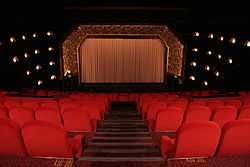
[122,139]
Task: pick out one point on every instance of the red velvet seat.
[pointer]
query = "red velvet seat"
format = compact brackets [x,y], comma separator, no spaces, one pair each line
[154,108]
[48,115]
[10,103]
[198,113]
[198,103]
[49,104]
[221,115]
[21,115]
[235,139]
[244,113]
[11,143]
[31,104]
[4,112]
[77,121]
[44,139]
[236,103]
[213,104]
[169,119]
[194,139]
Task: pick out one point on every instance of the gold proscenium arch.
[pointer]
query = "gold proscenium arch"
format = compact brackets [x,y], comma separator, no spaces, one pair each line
[77,36]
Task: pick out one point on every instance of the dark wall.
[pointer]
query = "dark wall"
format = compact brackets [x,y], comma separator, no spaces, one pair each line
[40,17]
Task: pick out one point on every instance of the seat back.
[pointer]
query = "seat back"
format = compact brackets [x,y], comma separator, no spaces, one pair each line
[49,115]
[11,143]
[197,139]
[21,115]
[4,112]
[76,120]
[198,113]
[235,139]
[244,113]
[44,139]
[221,115]
[169,119]
[213,104]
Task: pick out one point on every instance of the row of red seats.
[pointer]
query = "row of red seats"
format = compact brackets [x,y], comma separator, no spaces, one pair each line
[37,139]
[207,139]
[166,114]
[75,115]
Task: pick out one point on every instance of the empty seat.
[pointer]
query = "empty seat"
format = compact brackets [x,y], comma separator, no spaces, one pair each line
[10,103]
[21,115]
[169,119]
[154,108]
[198,113]
[44,139]
[235,139]
[235,103]
[48,115]
[221,115]
[194,139]
[4,112]
[49,104]
[77,121]
[213,104]
[198,103]
[31,104]
[11,143]
[244,113]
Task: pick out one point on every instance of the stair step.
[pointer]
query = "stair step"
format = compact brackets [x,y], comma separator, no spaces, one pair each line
[121,144]
[129,121]
[128,134]
[121,138]
[123,159]
[122,126]
[109,150]
[122,130]
[116,123]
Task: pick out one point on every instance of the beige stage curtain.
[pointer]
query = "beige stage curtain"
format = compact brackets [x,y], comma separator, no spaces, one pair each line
[115,60]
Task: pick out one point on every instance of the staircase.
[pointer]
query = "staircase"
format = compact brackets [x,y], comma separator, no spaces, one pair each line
[122,138]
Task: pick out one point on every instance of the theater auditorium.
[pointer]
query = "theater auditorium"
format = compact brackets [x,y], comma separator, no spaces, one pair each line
[124,84]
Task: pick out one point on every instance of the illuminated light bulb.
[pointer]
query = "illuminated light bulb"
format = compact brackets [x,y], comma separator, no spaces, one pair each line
[51,63]
[230,61]
[219,56]
[221,38]
[209,52]
[34,35]
[28,72]
[207,67]
[15,59]
[26,55]
[36,51]
[193,63]
[233,40]
[50,49]
[217,73]
[38,67]
[192,78]
[23,37]
[12,39]
[248,44]
[195,49]
[205,83]
[49,33]
[196,34]
[39,82]
[211,36]
[53,77]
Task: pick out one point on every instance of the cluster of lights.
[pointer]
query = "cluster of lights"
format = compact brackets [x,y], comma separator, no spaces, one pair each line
[232,40]
[36,51]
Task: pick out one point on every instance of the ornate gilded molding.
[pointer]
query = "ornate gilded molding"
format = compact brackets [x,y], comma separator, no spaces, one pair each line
[79,34]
